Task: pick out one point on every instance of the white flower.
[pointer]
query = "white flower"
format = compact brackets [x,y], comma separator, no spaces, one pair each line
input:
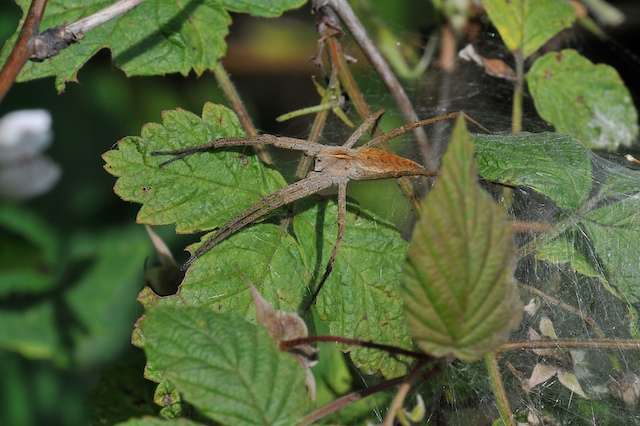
[24,171]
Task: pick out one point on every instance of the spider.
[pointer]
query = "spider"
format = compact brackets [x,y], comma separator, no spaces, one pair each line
[334,166]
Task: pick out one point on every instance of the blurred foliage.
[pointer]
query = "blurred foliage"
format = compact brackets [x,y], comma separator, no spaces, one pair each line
[52,343]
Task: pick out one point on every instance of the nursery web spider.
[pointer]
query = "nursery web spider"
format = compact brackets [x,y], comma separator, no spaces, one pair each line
[334,166]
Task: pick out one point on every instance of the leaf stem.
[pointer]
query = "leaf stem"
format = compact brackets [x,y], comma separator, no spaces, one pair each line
[516,117]
[24,47]
[504,408]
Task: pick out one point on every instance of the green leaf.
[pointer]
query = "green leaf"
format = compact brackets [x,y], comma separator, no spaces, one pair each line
[266,254]
[528,24]
[568,249]
[557,166]
[33,332]
[78,318]
[614,232]
[460,295]
[202,191]
[155,38]
[361,298]
[227,368]
[30,255]
[615,179]
[605,236]
[582,99]
[283,270]
[108,283]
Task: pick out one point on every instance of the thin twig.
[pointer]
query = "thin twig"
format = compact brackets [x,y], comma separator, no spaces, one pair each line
[24,47]
[359,34]
[119,8]
[583,315]
[238,106]
[628,344]
[550,299]
[54,40]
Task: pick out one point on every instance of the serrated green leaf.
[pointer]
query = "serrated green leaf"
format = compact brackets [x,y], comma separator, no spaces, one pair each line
[367,269]
[583,99]
[155,38]
[200,192]
[227,368]
[460,295]
[269,256]
[614,232]
[528,24]
[557,166]
[266,254]
[361,298]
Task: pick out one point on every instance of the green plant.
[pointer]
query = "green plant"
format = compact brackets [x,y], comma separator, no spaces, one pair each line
[417,313]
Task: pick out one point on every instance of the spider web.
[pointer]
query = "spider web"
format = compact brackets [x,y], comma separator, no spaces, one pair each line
[580,284]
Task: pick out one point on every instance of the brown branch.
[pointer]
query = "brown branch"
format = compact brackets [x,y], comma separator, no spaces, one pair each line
[358,395]
[37,47]
[24,47]
[333,406]
[393,350]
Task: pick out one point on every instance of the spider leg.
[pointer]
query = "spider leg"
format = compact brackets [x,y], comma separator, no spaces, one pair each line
[309,148]
[410,126]
[286,195]
[342,216]
[362,129]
